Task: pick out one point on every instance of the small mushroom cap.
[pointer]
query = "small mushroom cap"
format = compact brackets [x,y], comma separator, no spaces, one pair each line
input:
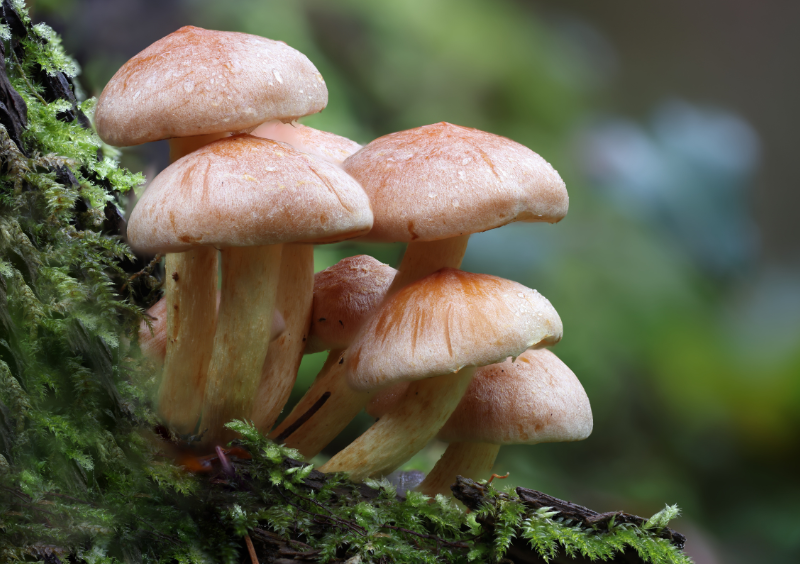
[331,147]
[196,82]
[444,180]
[533,399]
[444,322]
[345,295]
[244,190]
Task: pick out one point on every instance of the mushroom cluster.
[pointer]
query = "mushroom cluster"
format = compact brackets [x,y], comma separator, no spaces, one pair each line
[429,349]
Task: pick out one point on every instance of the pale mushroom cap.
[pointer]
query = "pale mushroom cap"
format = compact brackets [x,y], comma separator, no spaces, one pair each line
[331,147]
[534,399]
[444,180]
[243,191]
[345,295]
[444,322]
[196,81]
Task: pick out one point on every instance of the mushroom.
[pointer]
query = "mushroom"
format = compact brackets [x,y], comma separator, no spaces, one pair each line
[246,195]
[329,146]
[295,289]
[192,87]
[197,85]
[345,296]
[434,333]
[533,399]
[434,185]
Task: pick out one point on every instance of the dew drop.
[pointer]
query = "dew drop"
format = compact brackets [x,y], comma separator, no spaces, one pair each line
[278,76]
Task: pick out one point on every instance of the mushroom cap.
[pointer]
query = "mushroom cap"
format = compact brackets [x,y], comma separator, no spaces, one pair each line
[443,180]
[533,399]
[196,82]
[345,295]
[244,190]
[444,322]
[331,147]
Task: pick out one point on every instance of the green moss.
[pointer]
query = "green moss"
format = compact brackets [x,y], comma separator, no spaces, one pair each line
[82,473]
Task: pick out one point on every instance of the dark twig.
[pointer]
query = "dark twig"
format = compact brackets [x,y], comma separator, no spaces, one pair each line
[303,418]
[146,270]
[330,519]
[424,536]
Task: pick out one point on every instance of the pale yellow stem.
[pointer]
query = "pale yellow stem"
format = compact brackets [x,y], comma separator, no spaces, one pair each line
[340,406]
[470,460]
[402,432]
[191,288]
[419,260]
[249,285]
[426,257]
[295,295]
[191,283]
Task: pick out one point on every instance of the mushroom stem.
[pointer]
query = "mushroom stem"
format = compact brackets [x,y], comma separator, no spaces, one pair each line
[341,406]
[249,286]
[402,432]
[294,298]
[191,303]
[426,257]
[460,459]
[191,312]
[182,146]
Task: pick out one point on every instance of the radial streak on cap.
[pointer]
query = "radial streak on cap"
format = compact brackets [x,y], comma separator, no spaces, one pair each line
[443,325]
[245,193]
[533,399]
[434,185]
[345,295]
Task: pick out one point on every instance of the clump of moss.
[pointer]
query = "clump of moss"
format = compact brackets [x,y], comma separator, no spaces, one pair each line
[84,477]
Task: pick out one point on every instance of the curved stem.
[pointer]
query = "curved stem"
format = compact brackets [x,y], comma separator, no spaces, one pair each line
[402,432]
[470,460]
[340,407]
[426,257]
[293,301]
[191,301]
[249,285]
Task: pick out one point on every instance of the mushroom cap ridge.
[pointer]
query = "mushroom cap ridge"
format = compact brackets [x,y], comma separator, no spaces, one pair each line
[533,399]
[444,180]
[244,190]
[444,322]
[196,81]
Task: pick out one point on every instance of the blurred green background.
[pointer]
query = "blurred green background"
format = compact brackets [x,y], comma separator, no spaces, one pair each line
[677,270]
